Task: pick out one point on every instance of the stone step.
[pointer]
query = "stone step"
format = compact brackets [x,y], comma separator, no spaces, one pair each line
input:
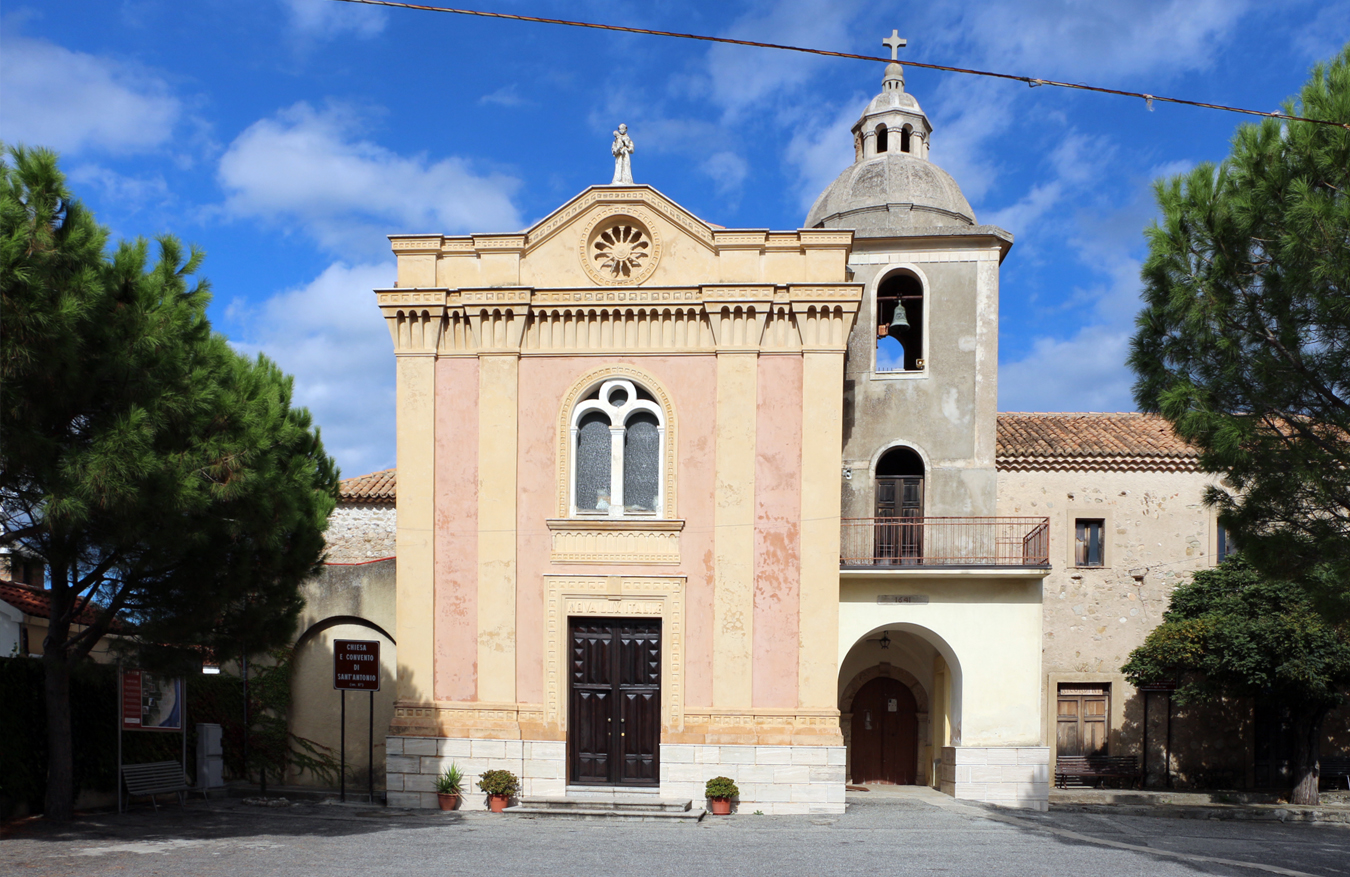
[636,808]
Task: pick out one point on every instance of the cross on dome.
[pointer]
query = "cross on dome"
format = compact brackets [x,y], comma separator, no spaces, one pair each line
[895,42]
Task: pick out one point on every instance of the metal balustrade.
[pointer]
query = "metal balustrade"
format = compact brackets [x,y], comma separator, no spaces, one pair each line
[872,543]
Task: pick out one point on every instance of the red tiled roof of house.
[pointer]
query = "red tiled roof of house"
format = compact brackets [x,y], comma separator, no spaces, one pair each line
[377,487]
[1067,441]
[38,602]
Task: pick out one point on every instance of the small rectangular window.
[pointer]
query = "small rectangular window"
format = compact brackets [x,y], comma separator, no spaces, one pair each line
[1225,545]
[1088,549]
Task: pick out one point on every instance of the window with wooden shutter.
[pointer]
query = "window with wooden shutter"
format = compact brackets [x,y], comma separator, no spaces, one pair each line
[1088,547]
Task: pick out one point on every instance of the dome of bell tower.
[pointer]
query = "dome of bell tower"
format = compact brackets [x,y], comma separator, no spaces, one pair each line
[892,185]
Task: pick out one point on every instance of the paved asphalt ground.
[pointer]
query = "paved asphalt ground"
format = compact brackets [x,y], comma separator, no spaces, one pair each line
[912,834]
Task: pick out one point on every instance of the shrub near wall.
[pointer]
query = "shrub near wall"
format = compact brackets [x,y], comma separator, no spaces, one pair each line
[94,718]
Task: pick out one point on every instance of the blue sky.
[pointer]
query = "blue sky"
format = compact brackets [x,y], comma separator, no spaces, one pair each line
[288,137]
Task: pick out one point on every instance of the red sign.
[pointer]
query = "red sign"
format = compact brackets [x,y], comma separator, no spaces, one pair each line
[356,664]
[131,698]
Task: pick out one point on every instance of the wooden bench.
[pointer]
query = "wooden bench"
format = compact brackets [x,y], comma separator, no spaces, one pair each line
[156,778]
[1335,768]
[1097,768]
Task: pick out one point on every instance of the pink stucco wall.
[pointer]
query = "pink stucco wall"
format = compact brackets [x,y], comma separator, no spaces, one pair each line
[778,463]
[691,382]
[456,537]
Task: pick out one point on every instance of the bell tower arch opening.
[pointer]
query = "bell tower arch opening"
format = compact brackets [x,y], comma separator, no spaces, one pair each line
[900,320]
[882,139]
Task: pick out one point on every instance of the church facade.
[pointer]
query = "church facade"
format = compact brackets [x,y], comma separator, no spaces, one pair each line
[677,501]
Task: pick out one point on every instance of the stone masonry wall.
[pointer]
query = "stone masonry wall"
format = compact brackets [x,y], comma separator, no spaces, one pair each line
[359,532]
[1012,776]
[772,779]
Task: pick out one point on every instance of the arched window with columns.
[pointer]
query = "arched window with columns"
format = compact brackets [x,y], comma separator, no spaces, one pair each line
[618,441]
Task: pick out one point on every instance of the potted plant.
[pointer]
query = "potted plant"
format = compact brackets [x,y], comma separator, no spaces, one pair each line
[499,785]
[449,785]
[720,791]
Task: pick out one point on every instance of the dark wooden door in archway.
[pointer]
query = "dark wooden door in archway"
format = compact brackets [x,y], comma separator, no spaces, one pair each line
[614,703]
[884,744]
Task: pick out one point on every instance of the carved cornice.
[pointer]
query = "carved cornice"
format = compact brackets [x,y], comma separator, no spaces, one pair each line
[613,541]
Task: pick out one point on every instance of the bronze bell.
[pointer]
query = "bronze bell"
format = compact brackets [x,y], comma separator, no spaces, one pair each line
[899,323]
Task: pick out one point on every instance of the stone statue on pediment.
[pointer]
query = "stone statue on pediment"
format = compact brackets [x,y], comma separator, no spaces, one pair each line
[623,162]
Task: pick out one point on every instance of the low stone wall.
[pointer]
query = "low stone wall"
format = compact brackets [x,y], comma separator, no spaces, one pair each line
[1010,776]
[414,763]
[772,779]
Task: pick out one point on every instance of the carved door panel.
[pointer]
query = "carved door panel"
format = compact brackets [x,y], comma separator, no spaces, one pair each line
[884,738]
[614,707]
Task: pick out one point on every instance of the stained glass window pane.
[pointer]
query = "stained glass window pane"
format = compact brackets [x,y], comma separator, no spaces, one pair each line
[593,457]
[641,463]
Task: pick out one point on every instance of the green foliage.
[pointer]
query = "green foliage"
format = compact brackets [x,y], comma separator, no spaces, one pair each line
[1244,341]
[451,781]
[160,475]
[721,787]
[23,728]
[1231,632]
[498,782]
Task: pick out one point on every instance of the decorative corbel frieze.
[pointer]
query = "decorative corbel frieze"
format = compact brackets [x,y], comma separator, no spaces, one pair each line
[825,313]
[737,314]
[496,317]
[415,318]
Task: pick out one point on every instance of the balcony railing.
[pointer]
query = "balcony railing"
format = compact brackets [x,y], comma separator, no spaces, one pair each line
[871,543]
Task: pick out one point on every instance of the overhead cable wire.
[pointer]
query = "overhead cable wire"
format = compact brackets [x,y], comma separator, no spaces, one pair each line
[1031,81]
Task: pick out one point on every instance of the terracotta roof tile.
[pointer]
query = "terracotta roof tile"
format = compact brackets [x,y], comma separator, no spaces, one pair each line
[38,602]
[377,487]
[1125,441]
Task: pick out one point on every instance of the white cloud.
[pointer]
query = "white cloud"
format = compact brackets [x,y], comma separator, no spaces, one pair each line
[819,150]
[72,101]
[727,169]
[1075,40]
[130,193]
[1084,373]
[324,19]
[738,78]
[506,96]
[331,337]
[309,168]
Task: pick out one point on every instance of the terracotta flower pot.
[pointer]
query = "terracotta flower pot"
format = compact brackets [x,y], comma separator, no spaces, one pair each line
[498,803]
[721,806]
[448,800]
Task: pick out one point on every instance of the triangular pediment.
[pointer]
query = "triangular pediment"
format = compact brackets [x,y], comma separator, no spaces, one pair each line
[618,236]
[635,196]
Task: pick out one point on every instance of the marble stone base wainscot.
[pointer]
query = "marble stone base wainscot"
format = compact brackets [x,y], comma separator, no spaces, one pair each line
[414,763]
[772,779]
[1010,776]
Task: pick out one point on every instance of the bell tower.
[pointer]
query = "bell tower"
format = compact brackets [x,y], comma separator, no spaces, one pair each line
[921,378]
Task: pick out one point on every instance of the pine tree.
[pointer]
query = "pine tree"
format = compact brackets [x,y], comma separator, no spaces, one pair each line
[162,477]
[1244,342]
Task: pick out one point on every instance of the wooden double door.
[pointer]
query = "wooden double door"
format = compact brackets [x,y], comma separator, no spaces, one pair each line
[884,737]
[614,702]
[899,520]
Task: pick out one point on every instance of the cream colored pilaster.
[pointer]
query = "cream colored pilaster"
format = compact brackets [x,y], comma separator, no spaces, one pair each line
[822,450]
[497,413]
[734,522]
[415,319]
